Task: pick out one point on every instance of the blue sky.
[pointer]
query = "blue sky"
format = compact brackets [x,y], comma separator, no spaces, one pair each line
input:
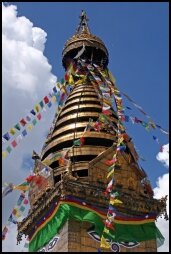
[137,38]
[136,35]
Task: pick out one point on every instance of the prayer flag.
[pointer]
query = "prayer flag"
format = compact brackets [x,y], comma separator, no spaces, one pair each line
[54,89]
[82,140]
[20,200]
[6,136]
[108,224]
[104,243]
[23,122]
[12,131]
[33,112]
[47,161]
[39,116]
[121,148]
[49,104]
[114,194]
[110,186]
[30,127]
[128,108]
[111,209]
[7,189]
[24,133]
[110,162]
[126,118]
[4,232]
[25,202]
[4,154]
[77,142]
[106,230]
[53,100]
[41,104]
[14,143]
[46,100]
[114,201]
[23,186]
[110,173]
[11,219]
[18,138]
[34,122]
[9,149]
[22,208]
[37,108]
[3,140]
[111,167]
[28,118]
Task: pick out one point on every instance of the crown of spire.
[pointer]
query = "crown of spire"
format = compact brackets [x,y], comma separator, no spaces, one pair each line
[83,36]
[83,25]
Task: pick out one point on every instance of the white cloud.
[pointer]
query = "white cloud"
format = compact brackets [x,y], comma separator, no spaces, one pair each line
[26,79]
[160,191]
[24,65]
[163,157]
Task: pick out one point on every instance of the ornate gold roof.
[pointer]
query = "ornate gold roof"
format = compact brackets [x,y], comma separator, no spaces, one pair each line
[83,36]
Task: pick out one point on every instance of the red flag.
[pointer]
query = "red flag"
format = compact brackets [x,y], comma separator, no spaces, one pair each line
[108,224]
[110,162]
[39,116]
[66,76]
[25,202]
[82,141]
[14,143]
[23,122]
[46,100]
[106,112]
[30,178]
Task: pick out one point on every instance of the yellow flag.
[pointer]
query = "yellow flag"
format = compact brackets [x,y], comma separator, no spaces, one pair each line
[18,214]
[112,78]
[4,154]
[114,201]
[12,131]
[47,162]
[37,108]
[30,127]
[106,230]
[58,85]
[110,173]
[71,80]
[53,99]
[120,140]
[104,243]
[107,102]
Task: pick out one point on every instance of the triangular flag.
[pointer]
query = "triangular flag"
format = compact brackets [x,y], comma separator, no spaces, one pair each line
[110,173]
[104,243]
[115,201]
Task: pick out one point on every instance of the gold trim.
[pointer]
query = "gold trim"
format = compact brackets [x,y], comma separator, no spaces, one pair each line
[79,107]
[72,116]
[82,94]
[69,137]
[83,86]
[81,99]
[81,89]
[70,127]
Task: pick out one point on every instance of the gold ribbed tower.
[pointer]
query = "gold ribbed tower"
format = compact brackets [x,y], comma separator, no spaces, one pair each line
[84,176]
